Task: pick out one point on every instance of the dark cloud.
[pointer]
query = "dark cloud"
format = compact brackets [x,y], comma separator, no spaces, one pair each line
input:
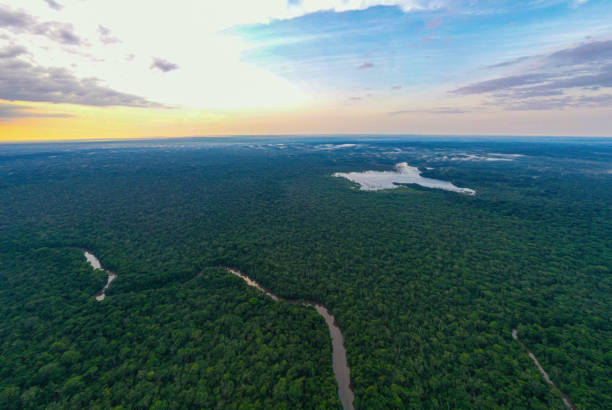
[598,80]
[163,65]
[538,85]
[54,4]
[20,22]
[60,32]
[15,19]
[583,68]
[589,53]
[22,81]
[365,65]
[9,111]
[106,37]
[12,51]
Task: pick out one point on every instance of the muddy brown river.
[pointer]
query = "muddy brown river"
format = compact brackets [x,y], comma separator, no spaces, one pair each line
[340,365]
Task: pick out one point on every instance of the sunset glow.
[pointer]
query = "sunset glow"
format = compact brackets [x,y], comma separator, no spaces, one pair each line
[71,69]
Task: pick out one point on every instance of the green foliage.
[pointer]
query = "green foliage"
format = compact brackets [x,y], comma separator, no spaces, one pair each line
[182,345]
[425,284]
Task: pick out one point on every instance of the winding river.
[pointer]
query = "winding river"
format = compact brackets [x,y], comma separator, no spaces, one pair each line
[564,397]
[95,263]
[340,365]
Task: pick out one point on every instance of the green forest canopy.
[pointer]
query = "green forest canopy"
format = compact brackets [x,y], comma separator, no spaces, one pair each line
[425,284]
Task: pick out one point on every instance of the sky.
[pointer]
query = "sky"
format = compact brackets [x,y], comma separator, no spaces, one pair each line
[96,69]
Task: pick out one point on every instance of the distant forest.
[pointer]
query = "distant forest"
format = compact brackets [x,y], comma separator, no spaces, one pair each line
[426,285]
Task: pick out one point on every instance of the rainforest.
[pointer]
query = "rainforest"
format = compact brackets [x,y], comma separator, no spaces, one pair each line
[446,278]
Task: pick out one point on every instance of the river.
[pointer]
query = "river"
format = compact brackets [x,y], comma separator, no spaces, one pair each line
[340,365]
[95,263]
[339,362]
[564,396]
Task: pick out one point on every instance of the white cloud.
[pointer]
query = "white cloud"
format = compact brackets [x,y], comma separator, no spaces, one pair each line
[311,6]
[212,74]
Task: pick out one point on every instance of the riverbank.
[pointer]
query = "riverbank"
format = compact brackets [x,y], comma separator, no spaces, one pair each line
[340,364]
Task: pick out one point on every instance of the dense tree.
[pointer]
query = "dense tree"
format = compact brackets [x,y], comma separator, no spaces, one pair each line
[426,285]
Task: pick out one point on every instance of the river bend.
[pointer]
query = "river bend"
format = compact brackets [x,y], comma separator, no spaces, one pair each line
[95,263]
[340,364]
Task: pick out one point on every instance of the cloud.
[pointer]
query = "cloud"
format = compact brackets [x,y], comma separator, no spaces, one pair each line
[20,22]
[529,92]
[365,65]
[54,5]
[298,8]
[595,81]
[397,87]
[12,51]
[105,35]
[585,67]
[510,62]
[588,53]
[60,32]
[440,110]
[15,19]
[22,81]
[597,100]
[538,85]
[584,101]
[163,65]
[501,83]
[9,111]
[541,104]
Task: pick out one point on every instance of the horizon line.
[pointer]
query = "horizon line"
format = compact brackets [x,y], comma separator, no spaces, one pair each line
[300,135]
